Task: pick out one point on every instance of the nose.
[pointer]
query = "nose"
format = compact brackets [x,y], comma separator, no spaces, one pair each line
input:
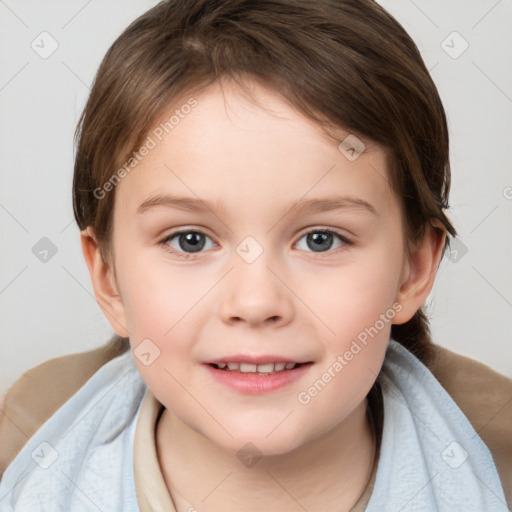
[255,293]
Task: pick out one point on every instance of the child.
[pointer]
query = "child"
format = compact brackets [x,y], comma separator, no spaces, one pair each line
[262,191]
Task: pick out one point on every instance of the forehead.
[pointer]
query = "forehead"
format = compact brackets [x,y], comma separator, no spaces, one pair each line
[256,148]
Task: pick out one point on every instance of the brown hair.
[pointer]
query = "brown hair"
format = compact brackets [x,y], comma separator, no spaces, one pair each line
[343,63]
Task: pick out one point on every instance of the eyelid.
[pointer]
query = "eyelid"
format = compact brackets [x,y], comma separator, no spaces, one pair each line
[325,229]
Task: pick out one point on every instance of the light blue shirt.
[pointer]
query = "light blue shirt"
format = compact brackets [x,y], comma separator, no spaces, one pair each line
[81,459]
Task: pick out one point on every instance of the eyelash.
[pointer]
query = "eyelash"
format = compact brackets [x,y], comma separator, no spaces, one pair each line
[185,255]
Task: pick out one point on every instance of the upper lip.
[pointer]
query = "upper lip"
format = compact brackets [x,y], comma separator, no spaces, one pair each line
[247,359]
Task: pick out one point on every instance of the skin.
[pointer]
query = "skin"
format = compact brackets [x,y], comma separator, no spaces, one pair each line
[292,301]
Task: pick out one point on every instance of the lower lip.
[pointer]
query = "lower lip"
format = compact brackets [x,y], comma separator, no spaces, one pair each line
[255,383]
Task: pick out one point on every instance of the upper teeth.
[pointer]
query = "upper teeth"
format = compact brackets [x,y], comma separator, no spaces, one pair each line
[259,368]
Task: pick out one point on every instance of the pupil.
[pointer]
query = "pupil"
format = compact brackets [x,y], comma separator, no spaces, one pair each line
[319,240]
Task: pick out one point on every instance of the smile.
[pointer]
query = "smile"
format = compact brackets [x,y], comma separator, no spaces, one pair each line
[255,379]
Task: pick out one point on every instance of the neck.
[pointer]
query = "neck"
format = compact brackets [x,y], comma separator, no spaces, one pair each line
[329,472]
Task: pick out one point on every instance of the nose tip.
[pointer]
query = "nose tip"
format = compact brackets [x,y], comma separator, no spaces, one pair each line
[254,295]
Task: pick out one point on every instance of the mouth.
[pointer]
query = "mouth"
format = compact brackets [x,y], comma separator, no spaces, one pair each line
[257,379]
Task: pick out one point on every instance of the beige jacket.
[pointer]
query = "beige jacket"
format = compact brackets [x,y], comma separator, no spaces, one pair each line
[483,395]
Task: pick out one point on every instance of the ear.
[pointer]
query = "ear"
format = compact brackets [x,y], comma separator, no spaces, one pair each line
[420,271]
[103,282]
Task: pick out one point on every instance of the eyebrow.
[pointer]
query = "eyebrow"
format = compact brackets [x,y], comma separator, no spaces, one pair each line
[201,205]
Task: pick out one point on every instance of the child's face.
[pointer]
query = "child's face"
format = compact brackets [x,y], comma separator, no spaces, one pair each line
[291,301]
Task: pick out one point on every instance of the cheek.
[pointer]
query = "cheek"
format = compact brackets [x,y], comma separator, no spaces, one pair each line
[158,296]
[162,303]
[353,297]
[341,385]
[360,313]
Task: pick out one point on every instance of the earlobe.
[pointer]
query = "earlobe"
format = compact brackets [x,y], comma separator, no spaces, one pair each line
[420,271]
[103,282]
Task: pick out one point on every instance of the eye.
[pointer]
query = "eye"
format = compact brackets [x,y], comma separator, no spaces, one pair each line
[188,241]
[185,243]
[321,240]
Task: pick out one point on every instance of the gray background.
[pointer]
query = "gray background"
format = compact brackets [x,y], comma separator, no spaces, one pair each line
[47,307]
